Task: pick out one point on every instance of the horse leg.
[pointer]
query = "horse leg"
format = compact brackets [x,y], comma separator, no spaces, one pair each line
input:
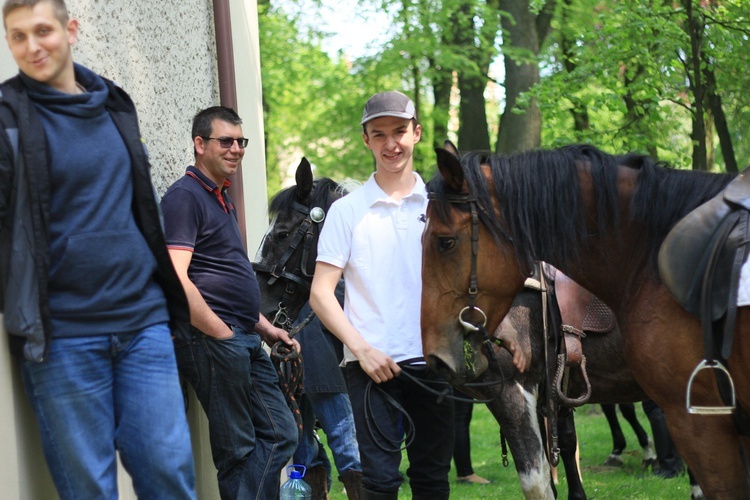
[714,458]
[618,438]
[649,454]
[515,410]
[662,344]
[566,429]
[696,493]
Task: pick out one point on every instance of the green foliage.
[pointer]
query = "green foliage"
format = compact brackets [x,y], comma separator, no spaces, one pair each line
[312,107]
[637,53]
[624,65]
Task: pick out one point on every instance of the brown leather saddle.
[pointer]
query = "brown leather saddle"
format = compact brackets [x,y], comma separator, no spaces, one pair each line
[581,313]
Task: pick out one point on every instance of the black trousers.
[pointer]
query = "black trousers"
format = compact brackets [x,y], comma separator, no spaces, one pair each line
[381,425]
[462,445]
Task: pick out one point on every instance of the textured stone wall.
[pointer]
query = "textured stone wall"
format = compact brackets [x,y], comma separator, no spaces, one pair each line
[162,54]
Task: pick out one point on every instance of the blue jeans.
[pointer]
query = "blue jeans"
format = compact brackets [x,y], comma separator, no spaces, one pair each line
[334,412]
[430,452]
[251,428]
[96,394]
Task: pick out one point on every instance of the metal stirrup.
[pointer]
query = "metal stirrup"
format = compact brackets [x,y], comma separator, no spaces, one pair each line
[709,410]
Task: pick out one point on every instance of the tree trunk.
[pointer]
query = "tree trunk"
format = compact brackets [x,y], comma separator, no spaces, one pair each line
[698,134]
[473,134]
[442,81]
[520,127]
[720,122]
[579,111]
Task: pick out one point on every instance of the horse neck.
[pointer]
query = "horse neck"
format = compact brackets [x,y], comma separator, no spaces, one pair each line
[610,263]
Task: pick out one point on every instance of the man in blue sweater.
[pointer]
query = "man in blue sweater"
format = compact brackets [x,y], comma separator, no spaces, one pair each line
[87,288]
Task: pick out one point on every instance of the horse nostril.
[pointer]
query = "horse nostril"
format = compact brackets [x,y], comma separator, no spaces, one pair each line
[439,366]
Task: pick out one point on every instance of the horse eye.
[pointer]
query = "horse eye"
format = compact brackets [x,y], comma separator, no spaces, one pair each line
[282,235]
[445,244]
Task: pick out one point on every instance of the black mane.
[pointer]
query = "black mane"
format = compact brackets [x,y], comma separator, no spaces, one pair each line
[323,194]
[541,203]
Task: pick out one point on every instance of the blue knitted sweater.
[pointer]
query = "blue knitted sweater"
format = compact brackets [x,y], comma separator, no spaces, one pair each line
[101,270]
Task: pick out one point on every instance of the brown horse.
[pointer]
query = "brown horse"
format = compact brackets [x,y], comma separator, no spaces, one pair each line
[601,220]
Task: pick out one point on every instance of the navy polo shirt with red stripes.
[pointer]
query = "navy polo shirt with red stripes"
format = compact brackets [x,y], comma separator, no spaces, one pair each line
[201,218]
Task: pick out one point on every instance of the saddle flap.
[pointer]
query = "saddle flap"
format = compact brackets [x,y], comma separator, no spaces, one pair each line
[580,309]
[685,253]
[599,318]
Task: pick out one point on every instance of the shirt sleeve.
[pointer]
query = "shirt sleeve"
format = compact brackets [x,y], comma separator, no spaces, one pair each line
[334,244]
[181,219]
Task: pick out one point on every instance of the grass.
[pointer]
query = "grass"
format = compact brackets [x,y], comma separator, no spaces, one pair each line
[630,481]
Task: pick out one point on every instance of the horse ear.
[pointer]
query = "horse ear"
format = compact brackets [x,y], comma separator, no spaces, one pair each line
[451,148]
[451,170]
[304,179]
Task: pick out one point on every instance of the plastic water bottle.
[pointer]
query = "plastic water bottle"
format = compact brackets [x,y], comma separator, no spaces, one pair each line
[295,488]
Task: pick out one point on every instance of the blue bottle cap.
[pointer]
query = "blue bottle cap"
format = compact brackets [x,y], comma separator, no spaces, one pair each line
[294,473]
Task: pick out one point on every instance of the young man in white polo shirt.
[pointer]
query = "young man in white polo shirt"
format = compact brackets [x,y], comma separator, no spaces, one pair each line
[373,236]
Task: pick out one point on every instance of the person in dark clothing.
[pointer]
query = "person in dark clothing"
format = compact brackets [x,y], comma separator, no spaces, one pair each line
[252,431]
[87,288]
[670,463]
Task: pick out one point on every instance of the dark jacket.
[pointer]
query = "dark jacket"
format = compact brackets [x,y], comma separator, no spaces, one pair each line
[24,221]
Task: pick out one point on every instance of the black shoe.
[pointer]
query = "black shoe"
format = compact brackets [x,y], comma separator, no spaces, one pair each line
[666,473]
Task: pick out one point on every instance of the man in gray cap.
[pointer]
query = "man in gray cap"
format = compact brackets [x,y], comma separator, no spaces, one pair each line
[373,237]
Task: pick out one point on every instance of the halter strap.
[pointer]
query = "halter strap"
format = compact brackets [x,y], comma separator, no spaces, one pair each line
[304,235]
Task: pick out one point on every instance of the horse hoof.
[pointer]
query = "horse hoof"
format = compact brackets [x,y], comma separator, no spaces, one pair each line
[649,452]
[650,463]
[696,493]
[613,461]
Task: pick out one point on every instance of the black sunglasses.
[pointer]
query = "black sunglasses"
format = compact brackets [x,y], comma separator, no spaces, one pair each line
[226,142]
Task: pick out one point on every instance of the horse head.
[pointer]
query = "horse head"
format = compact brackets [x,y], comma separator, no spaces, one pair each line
[285,261]
[470,274]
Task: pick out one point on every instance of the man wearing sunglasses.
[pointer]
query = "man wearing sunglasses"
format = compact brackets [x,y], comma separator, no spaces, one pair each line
[252,430]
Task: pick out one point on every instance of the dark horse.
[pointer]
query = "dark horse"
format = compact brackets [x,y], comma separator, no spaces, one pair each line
[618,437]
[600,219]
[285,261]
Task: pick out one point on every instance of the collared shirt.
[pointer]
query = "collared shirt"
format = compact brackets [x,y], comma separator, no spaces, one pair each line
[377,241]
[200,217]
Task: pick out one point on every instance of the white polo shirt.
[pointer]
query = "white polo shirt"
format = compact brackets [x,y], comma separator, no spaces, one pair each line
[377,241]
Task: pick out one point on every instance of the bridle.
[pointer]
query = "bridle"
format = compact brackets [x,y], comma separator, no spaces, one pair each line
[488,341]
[303,239]
[473,290]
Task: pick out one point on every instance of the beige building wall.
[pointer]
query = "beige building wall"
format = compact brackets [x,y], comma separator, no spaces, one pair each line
[163,54]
